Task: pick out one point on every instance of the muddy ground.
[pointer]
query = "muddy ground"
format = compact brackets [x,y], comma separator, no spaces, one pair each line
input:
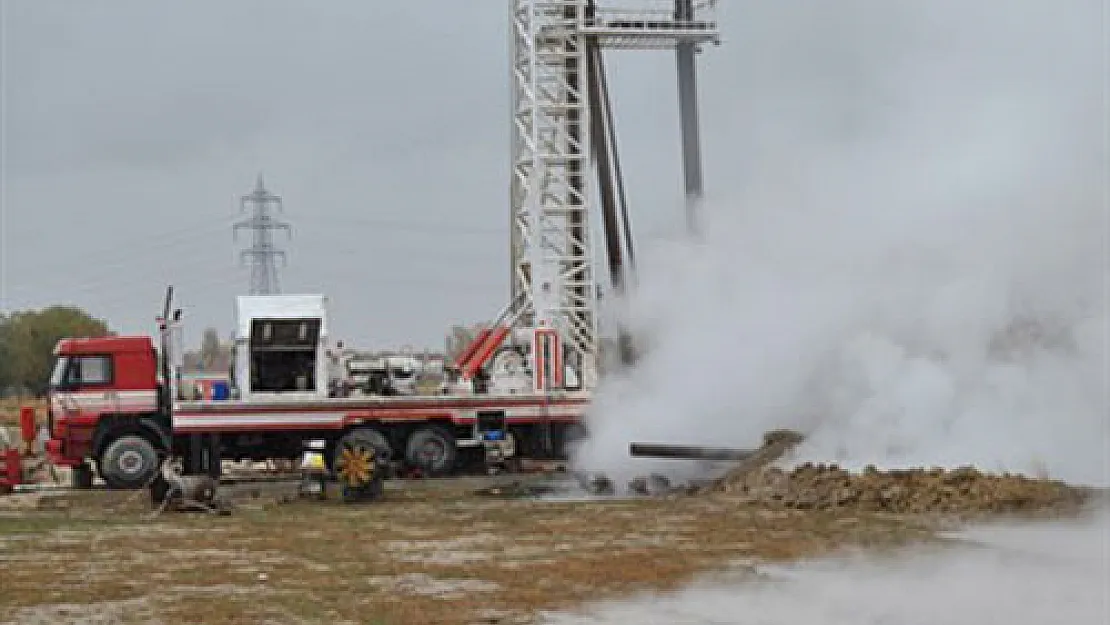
[445,552]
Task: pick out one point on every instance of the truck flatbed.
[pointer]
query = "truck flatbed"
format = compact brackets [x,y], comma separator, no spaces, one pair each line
[339,413]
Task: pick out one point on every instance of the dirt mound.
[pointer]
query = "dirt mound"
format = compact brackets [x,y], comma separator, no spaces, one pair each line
[776,444]
[912,491]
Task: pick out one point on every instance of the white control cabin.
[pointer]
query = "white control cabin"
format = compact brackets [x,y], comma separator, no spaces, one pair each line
[280,347]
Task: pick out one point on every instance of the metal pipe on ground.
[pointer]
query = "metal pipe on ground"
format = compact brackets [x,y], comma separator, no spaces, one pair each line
[688,452]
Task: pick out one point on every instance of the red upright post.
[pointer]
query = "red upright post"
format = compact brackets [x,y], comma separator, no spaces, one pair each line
[11,469]
[27,424]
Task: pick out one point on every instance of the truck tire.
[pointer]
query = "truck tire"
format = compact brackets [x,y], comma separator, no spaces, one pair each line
[431,450]
[575,433]
[128,463]
[369,436]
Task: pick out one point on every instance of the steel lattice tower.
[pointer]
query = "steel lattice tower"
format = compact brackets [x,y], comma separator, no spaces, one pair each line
[262,255]
[555,46]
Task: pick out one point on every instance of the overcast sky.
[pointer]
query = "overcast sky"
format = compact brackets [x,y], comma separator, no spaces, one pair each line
[131,128]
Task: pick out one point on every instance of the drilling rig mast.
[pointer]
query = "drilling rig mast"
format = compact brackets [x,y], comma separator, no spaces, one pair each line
[562,121]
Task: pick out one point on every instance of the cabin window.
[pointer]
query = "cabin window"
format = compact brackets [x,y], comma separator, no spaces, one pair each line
[88,371]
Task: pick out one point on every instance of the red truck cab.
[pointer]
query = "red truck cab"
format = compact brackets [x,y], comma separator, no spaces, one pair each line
[104,391]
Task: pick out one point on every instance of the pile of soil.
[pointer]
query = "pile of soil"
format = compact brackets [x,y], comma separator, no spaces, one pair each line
[910,491]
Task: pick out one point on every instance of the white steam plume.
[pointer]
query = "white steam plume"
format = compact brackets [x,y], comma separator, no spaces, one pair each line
[1017,574]
[913,269]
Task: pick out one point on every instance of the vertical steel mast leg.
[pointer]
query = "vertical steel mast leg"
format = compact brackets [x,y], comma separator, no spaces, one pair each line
[688,116]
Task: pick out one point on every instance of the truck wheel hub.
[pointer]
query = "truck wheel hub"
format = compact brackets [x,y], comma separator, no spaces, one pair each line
[431,451]
[356,465]
[130,462]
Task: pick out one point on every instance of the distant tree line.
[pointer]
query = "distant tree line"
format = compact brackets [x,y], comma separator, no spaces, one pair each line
[27,340]
[213,356]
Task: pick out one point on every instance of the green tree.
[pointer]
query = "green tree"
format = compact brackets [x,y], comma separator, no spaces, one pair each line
[6,369]
[213,356]
[27,340]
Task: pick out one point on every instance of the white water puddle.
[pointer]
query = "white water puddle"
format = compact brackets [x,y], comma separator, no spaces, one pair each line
[1037,574]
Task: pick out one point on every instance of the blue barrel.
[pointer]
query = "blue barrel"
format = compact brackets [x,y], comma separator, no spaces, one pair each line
[219,390]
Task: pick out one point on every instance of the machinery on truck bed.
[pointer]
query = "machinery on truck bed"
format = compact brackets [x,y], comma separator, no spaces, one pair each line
[114,402]
[384,375]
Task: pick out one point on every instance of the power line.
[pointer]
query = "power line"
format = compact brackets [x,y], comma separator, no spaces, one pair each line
[424,227]
[262,255]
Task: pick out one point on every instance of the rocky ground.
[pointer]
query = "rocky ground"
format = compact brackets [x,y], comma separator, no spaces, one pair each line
[963,491]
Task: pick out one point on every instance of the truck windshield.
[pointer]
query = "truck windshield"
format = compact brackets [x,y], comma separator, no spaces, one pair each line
[57,376]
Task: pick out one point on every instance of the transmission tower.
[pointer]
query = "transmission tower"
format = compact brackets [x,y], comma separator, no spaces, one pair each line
[261,255]
[561,117]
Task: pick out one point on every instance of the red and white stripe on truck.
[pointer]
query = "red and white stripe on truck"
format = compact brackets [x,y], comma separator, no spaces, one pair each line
[196,417]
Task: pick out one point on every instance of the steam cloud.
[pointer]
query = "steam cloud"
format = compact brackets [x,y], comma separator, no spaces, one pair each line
[1019,575]
[913,269]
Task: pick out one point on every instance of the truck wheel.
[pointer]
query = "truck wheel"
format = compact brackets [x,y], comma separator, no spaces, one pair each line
[366,436]
[129,462]
[360,458]
[432,450]
[575,433]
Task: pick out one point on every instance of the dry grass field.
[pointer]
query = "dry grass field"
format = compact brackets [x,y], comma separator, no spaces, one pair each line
[431,552]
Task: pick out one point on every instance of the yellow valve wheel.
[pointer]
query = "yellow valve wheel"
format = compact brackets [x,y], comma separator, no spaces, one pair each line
[355,465]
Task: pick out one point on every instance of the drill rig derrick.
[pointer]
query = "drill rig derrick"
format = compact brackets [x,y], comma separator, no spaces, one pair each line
[563,120]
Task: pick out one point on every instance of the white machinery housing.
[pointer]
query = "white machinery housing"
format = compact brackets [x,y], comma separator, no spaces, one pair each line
[280,347]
